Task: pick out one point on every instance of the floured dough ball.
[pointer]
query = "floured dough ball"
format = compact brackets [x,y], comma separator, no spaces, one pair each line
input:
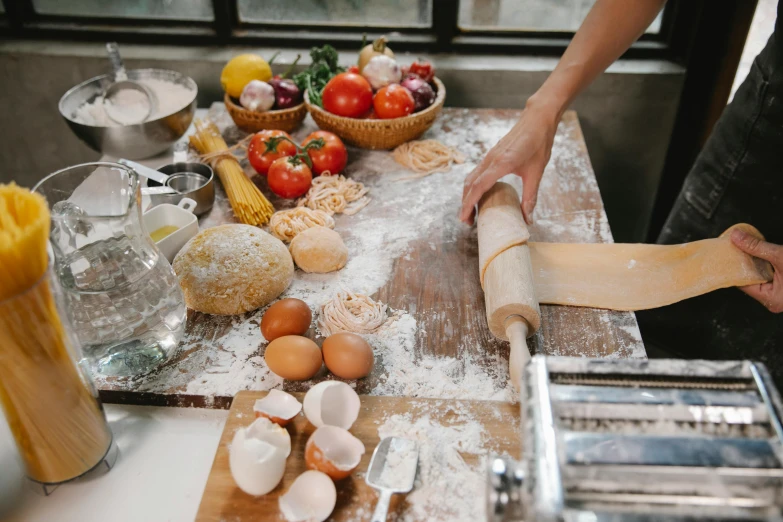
[319,250]
[232,269]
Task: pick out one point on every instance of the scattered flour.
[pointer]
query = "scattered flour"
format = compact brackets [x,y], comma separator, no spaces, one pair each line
[447,487]
[406,374]
[169,98]
[631,264]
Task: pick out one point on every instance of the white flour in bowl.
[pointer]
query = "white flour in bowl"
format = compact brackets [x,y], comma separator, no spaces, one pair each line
[170,98]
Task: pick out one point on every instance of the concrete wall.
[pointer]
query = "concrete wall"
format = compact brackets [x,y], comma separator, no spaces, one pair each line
[627,114]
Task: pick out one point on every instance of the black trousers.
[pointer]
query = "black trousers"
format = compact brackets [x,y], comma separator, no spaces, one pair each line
[737,178]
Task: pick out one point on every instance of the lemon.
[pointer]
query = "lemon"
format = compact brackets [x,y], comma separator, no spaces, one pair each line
[240,70]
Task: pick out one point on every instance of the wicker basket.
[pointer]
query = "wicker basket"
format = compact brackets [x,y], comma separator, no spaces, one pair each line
[251,121]
[379,134]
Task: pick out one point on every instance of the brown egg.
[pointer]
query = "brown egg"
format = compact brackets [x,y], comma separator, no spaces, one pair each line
[286,317]
[293,357]
[347,355]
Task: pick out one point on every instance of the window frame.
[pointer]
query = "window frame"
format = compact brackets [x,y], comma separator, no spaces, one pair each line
[444,35]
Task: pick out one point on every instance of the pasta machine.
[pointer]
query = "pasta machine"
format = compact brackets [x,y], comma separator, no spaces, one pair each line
[642,440]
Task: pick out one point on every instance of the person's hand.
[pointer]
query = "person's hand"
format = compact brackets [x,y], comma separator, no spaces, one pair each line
[524,151]
[769,294]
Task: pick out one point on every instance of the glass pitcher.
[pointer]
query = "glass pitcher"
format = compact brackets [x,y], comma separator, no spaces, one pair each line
[122,296]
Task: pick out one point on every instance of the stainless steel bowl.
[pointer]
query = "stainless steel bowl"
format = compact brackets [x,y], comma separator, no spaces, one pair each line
[130,141]
[202,193]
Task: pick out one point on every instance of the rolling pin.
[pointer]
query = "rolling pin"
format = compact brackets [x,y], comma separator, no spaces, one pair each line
[513,313]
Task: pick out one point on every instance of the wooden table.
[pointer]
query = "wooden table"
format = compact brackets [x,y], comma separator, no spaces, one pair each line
[433,267]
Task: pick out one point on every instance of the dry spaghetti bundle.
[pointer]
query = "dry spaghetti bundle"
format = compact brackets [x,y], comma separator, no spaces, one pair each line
[335,195]
[248,202]
[426,157]
[58,425]
[350,312]
[286,224]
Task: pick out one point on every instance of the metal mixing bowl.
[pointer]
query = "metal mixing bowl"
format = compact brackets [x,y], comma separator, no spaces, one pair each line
[129,141]
[203,192]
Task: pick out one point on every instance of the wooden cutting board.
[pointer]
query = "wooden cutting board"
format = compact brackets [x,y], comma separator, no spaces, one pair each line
[223,500]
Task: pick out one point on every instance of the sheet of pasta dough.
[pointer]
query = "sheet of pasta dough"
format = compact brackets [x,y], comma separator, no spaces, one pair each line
[639,276]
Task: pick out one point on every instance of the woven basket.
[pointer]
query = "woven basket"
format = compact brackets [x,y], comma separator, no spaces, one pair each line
[379,134]
[251,121]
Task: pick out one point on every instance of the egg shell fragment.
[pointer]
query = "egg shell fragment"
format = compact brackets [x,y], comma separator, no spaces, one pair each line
[311,497]
[257,456]
[332,403]
[334,451]
[278,406]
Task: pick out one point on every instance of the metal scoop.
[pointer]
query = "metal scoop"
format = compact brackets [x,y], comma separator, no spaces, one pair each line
[392,470]
[125,101]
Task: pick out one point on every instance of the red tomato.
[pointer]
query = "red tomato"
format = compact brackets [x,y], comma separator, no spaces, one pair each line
[331,157]
[261,156]
[289,177]
[393,101]
[347,94]
[353,69]
[423,69]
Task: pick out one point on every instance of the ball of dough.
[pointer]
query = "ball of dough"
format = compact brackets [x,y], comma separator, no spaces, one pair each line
[232,269]
[319,250]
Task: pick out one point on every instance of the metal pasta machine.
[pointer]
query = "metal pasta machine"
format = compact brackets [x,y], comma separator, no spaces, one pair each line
[643,440]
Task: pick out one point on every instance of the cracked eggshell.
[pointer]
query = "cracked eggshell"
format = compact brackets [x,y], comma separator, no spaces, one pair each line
[257,456]
[311,497]
[334,451]
[278,406]
[332,403]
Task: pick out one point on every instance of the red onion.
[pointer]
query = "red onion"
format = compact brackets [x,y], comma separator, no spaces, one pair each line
[423,94]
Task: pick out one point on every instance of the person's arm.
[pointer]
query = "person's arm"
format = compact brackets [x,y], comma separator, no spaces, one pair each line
[768,294]
[607,32]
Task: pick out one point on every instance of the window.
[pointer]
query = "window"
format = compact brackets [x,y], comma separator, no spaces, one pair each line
[362,13]
[528,15]
[541,27]
[157,9]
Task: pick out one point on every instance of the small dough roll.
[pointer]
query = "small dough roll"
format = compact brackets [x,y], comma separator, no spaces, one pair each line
[232,269]
[319,250]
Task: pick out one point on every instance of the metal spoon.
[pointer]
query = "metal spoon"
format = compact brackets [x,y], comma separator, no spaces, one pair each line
[392,470]
[120,88]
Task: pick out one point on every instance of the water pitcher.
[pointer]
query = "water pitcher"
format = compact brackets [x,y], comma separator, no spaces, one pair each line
[122,295]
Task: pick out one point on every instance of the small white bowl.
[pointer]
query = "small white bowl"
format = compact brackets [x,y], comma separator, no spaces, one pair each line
[180,216]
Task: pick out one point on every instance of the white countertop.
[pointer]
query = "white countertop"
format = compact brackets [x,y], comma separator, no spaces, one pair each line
[165,458]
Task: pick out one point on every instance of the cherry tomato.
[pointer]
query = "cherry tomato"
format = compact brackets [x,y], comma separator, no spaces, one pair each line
[353,69]
[289,177]
[331,157]
[347,94]
[393,101]
[261,155]
[423,69]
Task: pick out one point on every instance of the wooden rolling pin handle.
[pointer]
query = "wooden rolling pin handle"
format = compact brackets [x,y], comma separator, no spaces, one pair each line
[516,330]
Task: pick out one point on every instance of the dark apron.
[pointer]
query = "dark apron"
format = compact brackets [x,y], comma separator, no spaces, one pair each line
[737,178]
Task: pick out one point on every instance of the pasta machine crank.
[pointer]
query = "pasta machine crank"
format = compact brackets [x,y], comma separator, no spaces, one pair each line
[643,440]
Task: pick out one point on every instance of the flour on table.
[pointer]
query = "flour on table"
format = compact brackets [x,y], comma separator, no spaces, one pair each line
[407,374]
[446,487]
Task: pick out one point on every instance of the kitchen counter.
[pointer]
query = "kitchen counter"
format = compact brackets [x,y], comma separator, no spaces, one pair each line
[408,250]
[165,457]
[429,272]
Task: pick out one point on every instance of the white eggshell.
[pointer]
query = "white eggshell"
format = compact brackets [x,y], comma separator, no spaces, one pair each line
[257,456]
[278,406]
[332,403]
[311,497]
[334,451]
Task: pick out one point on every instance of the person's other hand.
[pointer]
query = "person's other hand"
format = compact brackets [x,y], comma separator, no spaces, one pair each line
[769,294]
[524,151]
